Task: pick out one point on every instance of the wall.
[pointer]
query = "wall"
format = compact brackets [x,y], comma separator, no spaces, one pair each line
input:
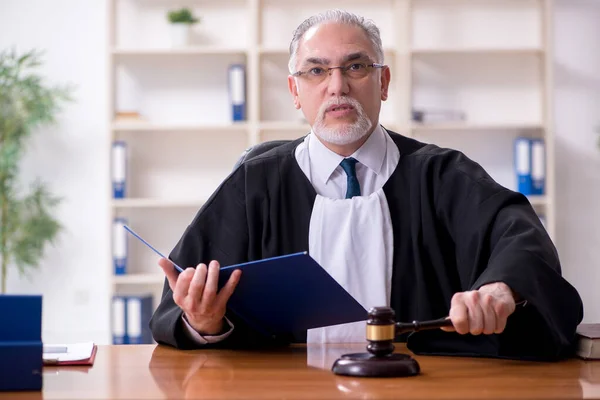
[577,106]
[73,157]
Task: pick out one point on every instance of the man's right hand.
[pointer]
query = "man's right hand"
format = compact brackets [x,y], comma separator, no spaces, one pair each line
[195,292]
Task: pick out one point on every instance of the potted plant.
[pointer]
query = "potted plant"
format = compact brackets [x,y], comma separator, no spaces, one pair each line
[181,20]
[26,105]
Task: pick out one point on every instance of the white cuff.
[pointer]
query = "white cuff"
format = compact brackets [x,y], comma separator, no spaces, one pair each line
[199,339]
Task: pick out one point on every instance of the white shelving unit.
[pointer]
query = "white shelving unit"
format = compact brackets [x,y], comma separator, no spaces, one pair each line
[155,203]
[491,59]
[149,127]
[188,51]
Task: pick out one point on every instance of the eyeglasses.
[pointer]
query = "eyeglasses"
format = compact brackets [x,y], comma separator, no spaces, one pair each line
[351,71]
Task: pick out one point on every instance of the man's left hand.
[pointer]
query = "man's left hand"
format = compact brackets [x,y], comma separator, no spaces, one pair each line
[482,311]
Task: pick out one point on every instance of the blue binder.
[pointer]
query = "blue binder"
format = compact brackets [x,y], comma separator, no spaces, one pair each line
[21,345]
[138,311]
[237,91]
[289,294]
[119,246]
[119,333]
[538,167]
[523,165]
[119,169]
[131,319]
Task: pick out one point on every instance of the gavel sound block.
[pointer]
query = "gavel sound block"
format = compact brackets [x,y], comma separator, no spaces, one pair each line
[381,361]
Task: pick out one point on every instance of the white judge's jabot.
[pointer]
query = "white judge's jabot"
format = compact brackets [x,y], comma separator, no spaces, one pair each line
[352,239]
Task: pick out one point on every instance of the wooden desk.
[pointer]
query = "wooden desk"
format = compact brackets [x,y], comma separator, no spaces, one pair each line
[157,372]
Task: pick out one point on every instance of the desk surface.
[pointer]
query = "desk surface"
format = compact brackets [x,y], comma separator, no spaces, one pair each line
[300,372]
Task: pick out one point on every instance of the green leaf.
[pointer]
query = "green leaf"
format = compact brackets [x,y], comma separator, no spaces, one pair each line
[27,103]
[36,227]
[182,15]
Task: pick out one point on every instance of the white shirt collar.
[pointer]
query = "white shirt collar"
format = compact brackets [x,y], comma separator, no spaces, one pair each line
[371,154]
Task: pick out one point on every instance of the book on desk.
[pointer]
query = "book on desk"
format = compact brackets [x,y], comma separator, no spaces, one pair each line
[588,341]
[70,354]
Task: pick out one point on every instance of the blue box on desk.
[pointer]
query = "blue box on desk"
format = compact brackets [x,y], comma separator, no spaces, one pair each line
[21,345]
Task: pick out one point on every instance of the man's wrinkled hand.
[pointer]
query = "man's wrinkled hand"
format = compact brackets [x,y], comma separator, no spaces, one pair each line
[485,310]
[195,292]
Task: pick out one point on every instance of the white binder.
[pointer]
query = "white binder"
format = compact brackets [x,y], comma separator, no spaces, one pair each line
[119,246]
[119,169]
[538,167]
[118,320]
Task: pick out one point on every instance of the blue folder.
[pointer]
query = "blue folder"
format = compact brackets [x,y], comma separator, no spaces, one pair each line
[289,294]
[21,342]
[286,294]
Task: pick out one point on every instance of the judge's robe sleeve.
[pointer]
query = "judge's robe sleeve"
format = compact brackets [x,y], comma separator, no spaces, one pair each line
[498,237]
[218,232]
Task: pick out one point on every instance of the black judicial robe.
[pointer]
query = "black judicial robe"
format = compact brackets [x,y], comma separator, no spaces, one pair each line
[455,229]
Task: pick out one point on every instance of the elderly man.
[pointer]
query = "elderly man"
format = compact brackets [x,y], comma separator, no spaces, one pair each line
[396,222]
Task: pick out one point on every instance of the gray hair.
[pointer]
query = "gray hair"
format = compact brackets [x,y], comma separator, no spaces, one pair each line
[336,16]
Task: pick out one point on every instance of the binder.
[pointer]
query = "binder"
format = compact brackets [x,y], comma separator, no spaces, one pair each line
[538,167]
[523,165]
[118,320]
[120,246]
[119,169]
[24,312]
[21,342]
[21,366]
[138,313]
[289,294]
[131,319]
[237,91]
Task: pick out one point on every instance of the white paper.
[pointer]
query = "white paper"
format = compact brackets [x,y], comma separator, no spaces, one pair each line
[75,352]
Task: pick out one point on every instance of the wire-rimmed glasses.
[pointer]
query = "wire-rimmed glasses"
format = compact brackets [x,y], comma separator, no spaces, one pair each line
[351,71]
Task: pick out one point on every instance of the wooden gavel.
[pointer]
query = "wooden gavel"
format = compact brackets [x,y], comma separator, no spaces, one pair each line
[382,329]
[381,360]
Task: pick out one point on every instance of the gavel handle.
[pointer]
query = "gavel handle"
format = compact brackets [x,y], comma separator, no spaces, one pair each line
[415,326]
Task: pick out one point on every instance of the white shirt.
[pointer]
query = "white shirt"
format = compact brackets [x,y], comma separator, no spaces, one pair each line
[377,158]
[322,166]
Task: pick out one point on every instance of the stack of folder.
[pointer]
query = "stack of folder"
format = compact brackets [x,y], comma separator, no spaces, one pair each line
[131,319]
[530,166]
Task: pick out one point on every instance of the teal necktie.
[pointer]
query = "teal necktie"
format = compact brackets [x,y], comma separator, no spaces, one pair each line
[353,187]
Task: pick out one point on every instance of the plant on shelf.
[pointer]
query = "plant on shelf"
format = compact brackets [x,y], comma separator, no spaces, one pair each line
[27,104]
[182,16]
[181,20]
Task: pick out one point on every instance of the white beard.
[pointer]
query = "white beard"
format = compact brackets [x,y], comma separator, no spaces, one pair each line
[342,135]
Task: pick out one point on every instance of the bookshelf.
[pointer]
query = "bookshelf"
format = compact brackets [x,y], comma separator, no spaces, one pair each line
[188,51]
[491,59]
[155,203]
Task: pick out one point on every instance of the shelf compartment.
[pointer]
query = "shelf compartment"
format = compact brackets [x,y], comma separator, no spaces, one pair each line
[139,279]
[156,203]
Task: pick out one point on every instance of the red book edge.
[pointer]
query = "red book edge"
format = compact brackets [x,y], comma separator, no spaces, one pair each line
[86,361]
